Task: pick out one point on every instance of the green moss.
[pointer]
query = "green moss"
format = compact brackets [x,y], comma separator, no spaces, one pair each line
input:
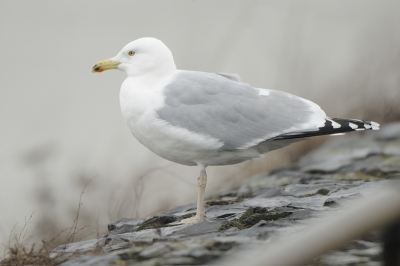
[228,224]
[236,222]
[247,214]
[251,217]
[254,219]
[321,191]
[215,202]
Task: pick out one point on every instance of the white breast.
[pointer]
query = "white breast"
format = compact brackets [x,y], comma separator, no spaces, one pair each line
[139,102]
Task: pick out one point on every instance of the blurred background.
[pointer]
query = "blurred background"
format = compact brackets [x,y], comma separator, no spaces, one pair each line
[61,126]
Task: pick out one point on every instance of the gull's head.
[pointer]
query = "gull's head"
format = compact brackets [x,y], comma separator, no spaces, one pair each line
[140,57]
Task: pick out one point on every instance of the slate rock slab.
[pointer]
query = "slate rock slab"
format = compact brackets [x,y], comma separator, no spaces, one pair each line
[275,204]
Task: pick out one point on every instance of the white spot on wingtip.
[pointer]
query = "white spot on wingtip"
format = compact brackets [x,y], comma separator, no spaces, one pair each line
[367,126]
[353,126]
[374,125]
[334,124]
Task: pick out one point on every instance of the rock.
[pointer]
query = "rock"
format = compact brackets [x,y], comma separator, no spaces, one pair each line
[70,249]
[90,260]
[275,204]
[124,225]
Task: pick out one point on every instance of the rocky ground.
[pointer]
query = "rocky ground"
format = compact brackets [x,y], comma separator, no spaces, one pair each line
[266,206]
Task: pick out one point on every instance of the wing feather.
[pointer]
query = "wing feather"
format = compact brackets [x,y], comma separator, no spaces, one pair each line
[234,112]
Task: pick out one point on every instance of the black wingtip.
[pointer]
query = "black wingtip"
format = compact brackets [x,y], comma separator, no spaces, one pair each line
[333,126]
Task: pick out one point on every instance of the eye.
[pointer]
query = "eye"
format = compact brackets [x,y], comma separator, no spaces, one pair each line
[131,53]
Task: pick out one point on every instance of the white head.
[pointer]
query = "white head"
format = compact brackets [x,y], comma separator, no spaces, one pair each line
[140,57]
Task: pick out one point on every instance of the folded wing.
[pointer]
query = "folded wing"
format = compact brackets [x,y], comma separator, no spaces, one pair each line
[238,115]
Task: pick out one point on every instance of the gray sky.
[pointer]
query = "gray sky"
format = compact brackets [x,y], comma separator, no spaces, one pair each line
[59,122]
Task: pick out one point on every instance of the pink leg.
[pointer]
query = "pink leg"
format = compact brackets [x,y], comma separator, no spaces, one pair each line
[200,213]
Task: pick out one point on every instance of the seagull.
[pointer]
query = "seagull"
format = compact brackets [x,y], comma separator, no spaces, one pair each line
[208,119]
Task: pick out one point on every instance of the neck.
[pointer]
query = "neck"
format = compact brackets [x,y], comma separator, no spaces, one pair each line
[150,81]
[155,72]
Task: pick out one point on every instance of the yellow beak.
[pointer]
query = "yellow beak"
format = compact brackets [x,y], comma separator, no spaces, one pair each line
[104,65]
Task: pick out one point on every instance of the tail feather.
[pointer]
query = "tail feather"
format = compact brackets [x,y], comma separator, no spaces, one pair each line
[333,126]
